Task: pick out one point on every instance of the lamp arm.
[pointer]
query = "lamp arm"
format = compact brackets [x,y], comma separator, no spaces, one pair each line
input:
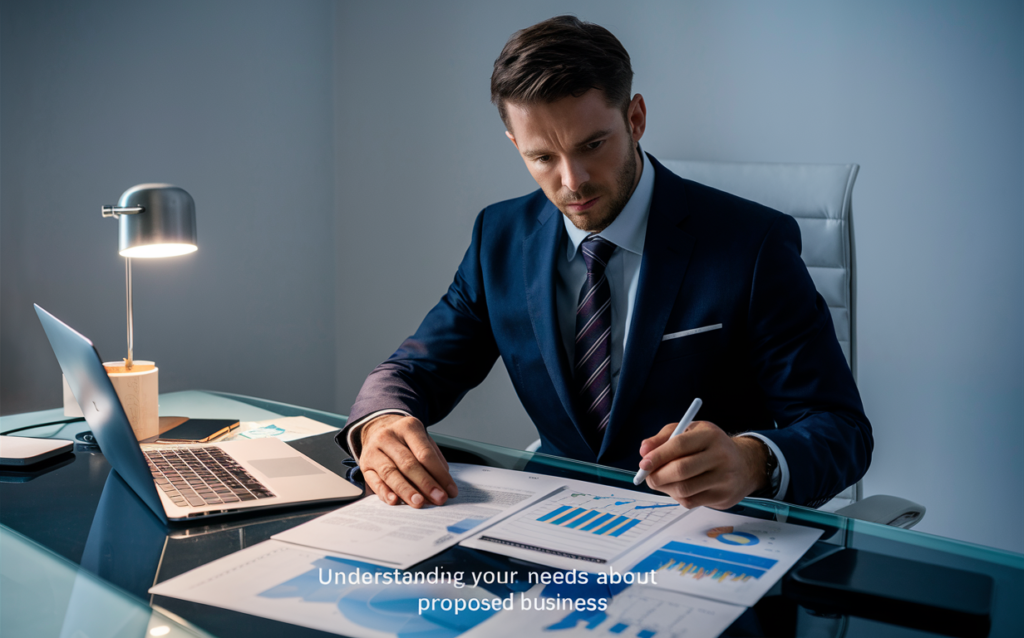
[115,211]
[128,288]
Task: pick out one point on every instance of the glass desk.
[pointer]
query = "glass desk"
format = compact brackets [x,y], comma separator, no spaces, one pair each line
[79,551]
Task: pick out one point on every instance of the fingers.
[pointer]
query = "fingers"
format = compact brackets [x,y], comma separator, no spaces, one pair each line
[428,470]
[682,469]
[690,493]
[710,489]
[698,437]
[702,466]
[408,479]
[401,463]
[649,444]
[379,487]
[711,494]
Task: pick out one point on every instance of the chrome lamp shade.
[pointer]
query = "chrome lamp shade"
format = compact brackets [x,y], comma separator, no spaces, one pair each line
[166,227]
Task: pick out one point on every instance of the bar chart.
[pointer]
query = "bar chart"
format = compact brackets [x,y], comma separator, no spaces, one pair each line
[584,527]
[720,555]
[699,562]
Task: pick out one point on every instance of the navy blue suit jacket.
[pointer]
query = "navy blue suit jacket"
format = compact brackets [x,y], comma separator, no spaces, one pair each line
[709,258]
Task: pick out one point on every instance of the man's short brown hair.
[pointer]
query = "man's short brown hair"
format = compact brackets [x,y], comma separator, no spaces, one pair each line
[558,58]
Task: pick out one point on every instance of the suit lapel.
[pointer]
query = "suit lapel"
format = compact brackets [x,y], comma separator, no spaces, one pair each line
[540,250]
[667,250]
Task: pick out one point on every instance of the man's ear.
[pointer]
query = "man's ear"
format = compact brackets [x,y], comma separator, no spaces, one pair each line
[636,117]
[509,135]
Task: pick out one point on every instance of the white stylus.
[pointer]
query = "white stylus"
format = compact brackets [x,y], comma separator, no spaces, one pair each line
[683,424]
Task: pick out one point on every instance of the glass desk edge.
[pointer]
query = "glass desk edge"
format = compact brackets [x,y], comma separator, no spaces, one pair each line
[70,576]
[516,459]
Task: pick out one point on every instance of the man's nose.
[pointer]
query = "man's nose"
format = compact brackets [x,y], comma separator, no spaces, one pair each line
[574,175]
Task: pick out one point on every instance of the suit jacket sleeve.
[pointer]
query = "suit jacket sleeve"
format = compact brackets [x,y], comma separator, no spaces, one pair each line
[807,384]
[451,352]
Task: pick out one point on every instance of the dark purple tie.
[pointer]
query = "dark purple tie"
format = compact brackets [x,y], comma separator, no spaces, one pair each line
[592,371]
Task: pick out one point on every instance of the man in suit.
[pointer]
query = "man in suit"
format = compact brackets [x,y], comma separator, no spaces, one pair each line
[615,295]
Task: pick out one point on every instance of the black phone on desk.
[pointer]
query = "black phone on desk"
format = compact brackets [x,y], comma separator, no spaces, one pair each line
[942,600]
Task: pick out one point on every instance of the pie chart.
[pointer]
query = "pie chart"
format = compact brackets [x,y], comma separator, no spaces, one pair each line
[731,537]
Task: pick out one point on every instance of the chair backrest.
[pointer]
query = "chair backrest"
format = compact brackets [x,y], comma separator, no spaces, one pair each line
[819,197]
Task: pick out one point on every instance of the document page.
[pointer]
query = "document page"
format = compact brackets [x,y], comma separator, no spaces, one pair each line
[721,556]
[320,590]
[290,428]
[401,536]
[581,526]
[636,611]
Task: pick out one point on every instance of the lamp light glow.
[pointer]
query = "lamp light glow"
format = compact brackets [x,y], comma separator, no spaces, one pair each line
[155,251]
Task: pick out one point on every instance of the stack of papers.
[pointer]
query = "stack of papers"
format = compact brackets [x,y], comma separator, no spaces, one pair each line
[633,564]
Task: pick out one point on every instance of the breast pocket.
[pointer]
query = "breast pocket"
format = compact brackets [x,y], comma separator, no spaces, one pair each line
[685,343]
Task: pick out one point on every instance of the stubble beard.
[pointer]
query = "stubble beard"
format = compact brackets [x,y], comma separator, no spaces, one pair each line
[616,202]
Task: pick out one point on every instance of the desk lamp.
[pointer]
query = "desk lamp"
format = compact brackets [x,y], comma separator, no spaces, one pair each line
[154,220]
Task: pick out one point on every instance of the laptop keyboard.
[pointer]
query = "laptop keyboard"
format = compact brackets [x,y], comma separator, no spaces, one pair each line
[202,476]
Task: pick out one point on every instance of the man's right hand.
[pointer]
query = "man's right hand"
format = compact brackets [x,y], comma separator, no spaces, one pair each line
[400,462]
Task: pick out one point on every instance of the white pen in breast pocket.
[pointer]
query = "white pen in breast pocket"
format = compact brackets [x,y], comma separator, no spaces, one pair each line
[694,331]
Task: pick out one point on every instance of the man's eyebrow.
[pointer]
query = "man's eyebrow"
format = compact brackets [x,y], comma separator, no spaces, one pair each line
[590,138]
[594,137]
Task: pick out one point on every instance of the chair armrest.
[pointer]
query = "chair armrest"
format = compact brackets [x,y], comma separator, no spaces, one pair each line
[886,510]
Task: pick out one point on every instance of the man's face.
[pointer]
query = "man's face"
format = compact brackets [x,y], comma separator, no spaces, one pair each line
[582,154]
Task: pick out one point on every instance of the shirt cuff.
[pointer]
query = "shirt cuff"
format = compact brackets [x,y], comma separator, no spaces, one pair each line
[783,466]
[352,430]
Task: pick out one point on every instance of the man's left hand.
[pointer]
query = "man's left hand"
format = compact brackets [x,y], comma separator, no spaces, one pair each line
[704,465]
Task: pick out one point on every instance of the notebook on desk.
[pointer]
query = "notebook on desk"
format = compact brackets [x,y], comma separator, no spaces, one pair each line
[183,482]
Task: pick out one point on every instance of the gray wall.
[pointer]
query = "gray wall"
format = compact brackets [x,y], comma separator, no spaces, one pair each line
[925,96]
[299,303]
[231,101]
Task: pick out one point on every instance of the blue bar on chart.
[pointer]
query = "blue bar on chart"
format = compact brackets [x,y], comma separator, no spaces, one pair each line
[583,519]
[553,513]
[625,527]
[568,517]
[597,521]
[607,528]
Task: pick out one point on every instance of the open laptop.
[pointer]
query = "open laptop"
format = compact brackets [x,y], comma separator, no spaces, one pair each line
[180,482]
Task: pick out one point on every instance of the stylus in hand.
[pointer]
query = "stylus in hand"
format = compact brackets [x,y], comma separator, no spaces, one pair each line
[683,424]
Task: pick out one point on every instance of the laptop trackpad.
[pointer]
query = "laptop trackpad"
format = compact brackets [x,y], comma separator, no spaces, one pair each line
[285,467]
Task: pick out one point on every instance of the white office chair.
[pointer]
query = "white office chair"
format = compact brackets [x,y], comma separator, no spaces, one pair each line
[819,197]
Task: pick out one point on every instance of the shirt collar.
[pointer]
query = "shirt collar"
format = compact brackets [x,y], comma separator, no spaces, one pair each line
[630,228]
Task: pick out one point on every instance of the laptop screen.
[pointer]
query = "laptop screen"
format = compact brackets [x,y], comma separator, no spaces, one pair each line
[95,394]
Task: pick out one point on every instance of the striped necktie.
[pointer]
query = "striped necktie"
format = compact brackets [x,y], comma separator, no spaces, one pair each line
[592,372]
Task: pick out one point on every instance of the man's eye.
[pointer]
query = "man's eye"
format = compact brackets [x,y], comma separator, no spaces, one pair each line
[593,146]
[543,159]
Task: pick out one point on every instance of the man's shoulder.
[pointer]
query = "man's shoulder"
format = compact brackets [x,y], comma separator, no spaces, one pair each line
[517,216]
[710,209]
